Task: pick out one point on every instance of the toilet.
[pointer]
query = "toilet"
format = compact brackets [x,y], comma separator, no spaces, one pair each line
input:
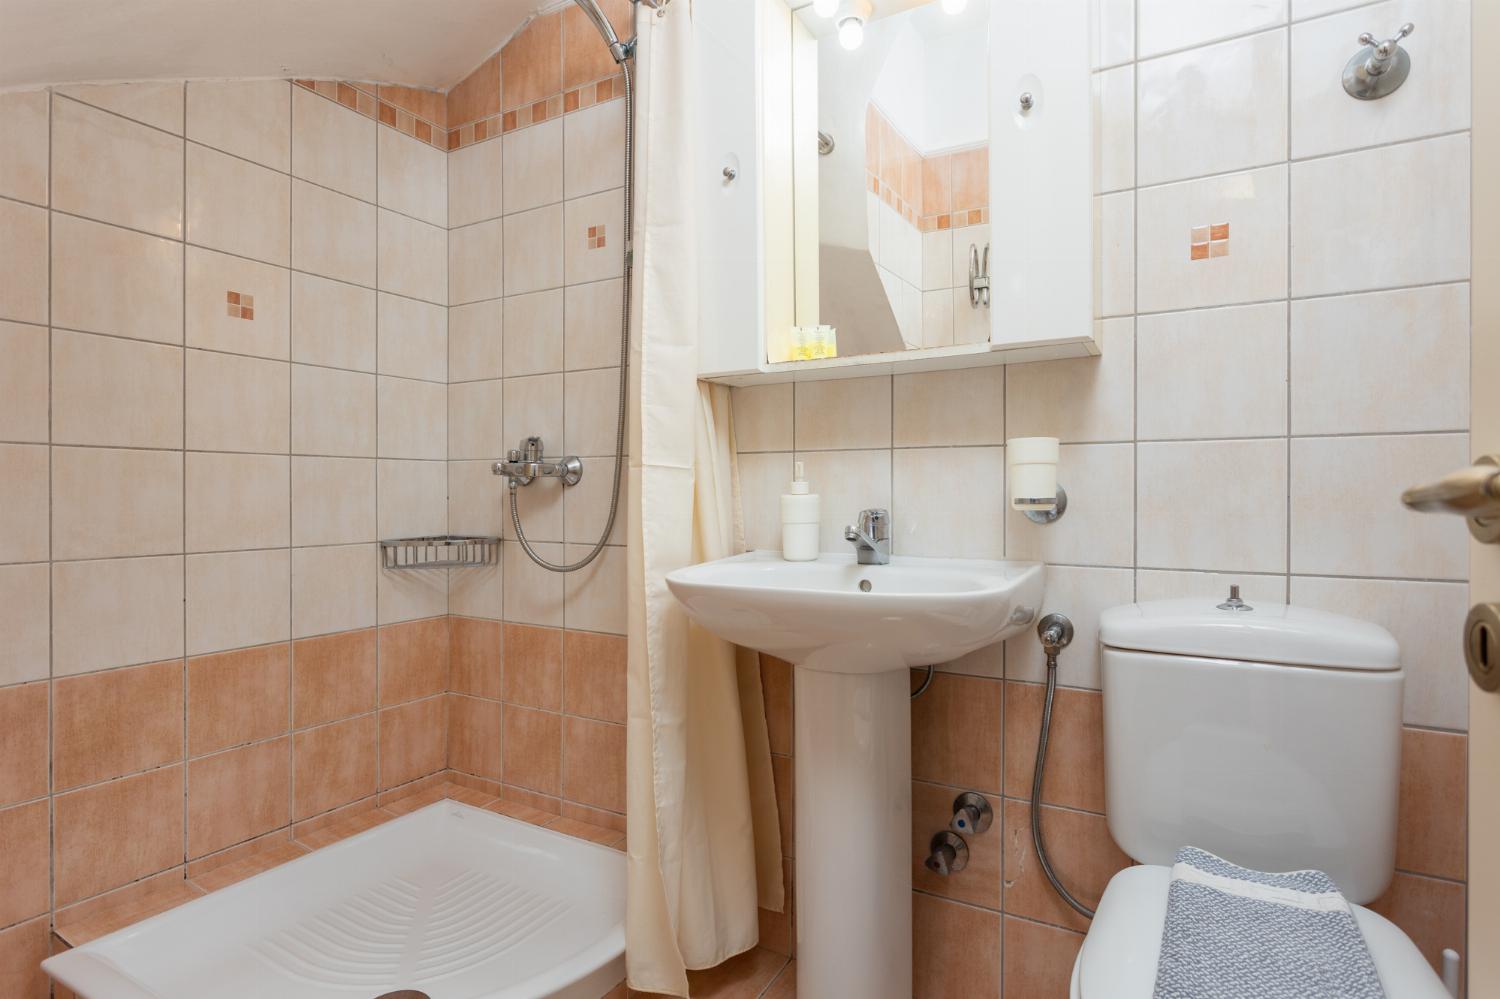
[1269,735]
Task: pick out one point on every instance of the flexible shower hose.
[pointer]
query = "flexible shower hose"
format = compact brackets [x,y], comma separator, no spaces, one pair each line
[1036,788]
[614,496]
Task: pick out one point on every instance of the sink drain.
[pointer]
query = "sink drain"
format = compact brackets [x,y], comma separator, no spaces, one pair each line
[864,586]
[404,994]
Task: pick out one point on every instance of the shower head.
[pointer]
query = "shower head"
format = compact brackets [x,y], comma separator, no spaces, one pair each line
[620,50]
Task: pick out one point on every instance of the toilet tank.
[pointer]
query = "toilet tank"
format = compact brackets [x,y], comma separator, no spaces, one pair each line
[1270,736]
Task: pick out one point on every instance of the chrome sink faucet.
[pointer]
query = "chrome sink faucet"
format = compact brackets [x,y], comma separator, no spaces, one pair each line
[871,536]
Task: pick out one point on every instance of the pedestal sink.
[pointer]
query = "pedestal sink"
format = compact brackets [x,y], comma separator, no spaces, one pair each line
[852,631]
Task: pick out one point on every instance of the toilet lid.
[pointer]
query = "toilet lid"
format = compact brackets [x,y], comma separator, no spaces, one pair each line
[1118,959]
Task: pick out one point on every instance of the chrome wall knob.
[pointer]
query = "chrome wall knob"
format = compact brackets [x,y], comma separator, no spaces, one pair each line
[972,814]
[948,854]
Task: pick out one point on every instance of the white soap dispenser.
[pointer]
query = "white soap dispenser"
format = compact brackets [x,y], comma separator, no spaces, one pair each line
[799,520]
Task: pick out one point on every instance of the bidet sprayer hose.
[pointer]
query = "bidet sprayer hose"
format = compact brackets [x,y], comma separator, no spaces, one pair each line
[1055,632]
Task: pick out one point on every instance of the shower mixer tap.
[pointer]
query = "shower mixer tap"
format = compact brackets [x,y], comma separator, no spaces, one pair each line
[526,464]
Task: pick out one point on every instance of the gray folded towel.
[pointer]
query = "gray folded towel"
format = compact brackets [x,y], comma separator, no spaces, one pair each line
[1234,933]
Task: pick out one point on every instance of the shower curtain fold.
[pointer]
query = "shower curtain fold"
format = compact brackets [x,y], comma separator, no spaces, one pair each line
[703,846]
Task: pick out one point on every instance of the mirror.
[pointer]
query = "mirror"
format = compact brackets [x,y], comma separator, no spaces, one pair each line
[890,128]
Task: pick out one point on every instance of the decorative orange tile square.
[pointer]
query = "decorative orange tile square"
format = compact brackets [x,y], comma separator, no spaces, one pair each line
[348,96]
[387,114]
[1198,234]
[1219,230]
[1198,251]
[1218,248]
[428,104]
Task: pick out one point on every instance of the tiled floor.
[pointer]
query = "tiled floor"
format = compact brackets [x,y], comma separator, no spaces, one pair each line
[756,974]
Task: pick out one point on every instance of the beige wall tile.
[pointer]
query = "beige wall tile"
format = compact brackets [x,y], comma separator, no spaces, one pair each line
[236,403]
[843,414]
[333,412]
[1100,525]
[949,407]
[236,599]
[25,609]
[762,417]
[114,833]
[591,405]
[534,328]
[333,501]
[115,392]
[1156,584]
[237,206]
[413,338]
[533,251]
[158,104]
[475,175]
[113,170]
[109,502]
[476,503]
[333,323]
[332,146]
[1428,184]
[596,595]
[475,341]
[930,517]
[115,612]
[407,596]
[532,166]
[1082,594]
[332,235]
[584,262]
[846,483]
[412,498]
[764,477]
[477,592]
[1187,492]
[474,253]
[1114,129]
[594,147]
[24,497]
[213,323]
[413,420]
[333,589]
[532,594]
[1413,344]
[591,324]
[413,258]
[249,118]
[111,280]
[23,262]
[1213,373]
[1078,399]
[24,396]
[413,177]
[1332,535]
[24,153]
[1115,272]
[1175,24]
[237,501]
[475,421]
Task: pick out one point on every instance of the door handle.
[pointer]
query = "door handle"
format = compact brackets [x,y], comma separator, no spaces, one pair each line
[1473,493]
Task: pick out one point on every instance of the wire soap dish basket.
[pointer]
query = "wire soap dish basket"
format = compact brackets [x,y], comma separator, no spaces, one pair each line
[445,551]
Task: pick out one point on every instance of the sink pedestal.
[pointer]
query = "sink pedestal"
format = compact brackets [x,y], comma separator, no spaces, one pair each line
[853,847]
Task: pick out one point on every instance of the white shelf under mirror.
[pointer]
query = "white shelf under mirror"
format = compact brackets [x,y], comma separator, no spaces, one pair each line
[764,240]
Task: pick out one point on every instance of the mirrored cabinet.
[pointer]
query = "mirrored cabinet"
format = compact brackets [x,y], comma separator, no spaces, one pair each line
[894,185]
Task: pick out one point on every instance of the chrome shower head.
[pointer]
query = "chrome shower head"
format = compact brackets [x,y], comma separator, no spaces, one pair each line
[620,50]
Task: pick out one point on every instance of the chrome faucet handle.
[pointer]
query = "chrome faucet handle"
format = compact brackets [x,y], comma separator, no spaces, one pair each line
[1384,50]
[876,523]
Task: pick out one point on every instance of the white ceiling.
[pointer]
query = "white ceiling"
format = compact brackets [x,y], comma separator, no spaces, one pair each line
[425,44]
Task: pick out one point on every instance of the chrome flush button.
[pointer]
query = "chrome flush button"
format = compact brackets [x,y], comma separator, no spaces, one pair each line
[1234,603]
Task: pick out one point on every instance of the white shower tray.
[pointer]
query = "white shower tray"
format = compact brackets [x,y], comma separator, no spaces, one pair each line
[450,900]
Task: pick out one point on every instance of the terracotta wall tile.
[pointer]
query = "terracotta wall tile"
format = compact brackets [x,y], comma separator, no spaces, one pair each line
[955,949]
[955,733]
[474,656]
[25,861]
[429,104]
[533,666]
[333,677]
[477,95]
[223,875]
[89,920]
[937,191]
[413,740]
[23,742]
[333,765]
[1038,959]
[776,684]
[594,675]
[238,697]
[116,722]
[532,799]
[114,833]
[413,660]
[1431,833]
[23,948]
[237,795]
[585,58]
[979,882]
[1429,910]
[593,816]
[533,749]
[594,763]
[531,63]
[971,179]
[474,736]
[1079,846]
[1075,751]
[784,779]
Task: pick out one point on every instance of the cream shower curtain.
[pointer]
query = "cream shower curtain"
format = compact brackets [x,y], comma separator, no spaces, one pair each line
[704,847]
